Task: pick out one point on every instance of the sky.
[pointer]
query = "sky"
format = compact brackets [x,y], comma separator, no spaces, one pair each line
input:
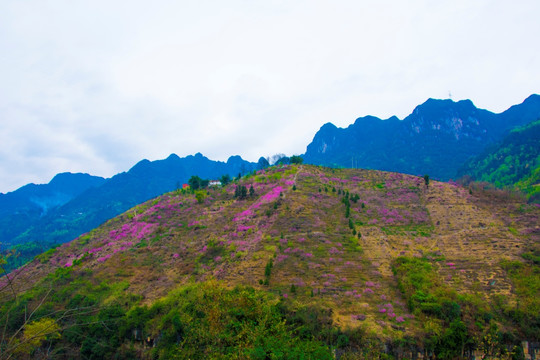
[96,86]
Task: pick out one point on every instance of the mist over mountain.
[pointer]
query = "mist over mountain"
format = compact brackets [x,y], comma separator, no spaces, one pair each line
[62,188]
[22,208]
[436,138]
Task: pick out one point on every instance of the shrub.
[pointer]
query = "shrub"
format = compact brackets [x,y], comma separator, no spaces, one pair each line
[200,195]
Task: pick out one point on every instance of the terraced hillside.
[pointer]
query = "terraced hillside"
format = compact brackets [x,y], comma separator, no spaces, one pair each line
[290,262]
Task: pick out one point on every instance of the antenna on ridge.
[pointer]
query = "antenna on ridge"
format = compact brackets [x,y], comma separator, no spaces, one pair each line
[449,95]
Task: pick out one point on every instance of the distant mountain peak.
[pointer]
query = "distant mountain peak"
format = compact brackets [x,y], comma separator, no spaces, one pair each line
[328,126]
[366,118]
[234,159]
[68,178]
[432,106]
[532,98]
[173,156]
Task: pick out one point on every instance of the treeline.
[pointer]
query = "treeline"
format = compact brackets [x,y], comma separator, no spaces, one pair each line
[210,321]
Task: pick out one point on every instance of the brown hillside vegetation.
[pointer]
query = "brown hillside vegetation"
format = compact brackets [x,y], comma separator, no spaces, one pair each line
[381,255]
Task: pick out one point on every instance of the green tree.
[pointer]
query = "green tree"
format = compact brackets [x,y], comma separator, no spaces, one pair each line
[195,182]
[240,192]
[35,334]
[426,180]
[225,179]
[296,159]
[200,195]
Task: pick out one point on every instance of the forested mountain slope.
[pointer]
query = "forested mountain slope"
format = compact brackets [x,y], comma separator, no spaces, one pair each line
[512,163]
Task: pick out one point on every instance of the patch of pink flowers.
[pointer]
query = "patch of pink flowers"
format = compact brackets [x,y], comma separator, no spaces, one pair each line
[104,258]
[244,215]
[272,194]
[95,250]
[136,229]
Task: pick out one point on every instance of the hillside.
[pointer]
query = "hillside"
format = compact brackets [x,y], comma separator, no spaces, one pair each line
[87,209]
[312,262]
[437,138]
[514,162]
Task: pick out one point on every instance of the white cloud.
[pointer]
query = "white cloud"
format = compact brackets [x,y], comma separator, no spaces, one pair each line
[97,86]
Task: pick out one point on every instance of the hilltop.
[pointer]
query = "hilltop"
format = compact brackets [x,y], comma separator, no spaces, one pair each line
[308,261]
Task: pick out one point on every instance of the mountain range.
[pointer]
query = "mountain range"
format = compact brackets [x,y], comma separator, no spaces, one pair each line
[437,138]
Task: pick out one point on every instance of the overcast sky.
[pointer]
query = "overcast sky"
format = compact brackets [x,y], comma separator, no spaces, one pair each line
[95,86]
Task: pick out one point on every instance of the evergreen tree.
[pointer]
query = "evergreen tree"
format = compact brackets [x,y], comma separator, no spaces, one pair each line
[225,179]
[426,180]
[296,159]
[240,192]
[195,182]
